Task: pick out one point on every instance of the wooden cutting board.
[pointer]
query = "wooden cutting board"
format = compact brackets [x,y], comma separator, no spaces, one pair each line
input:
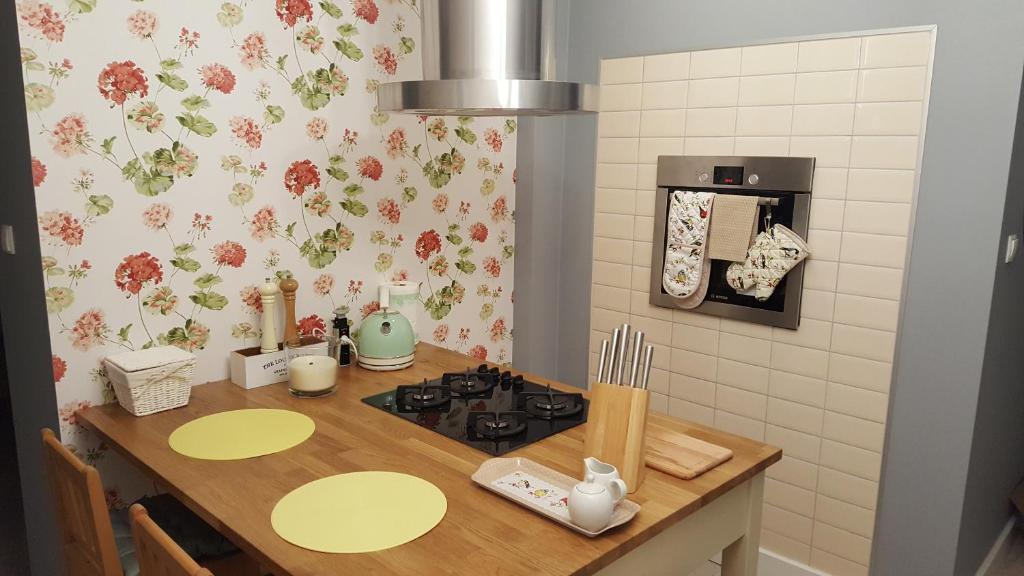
[680,455]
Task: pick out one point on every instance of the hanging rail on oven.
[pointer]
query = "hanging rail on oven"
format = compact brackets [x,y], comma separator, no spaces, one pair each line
[767,201]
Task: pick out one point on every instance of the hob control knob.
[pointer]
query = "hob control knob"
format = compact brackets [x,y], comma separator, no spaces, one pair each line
[702,177]
[753,179]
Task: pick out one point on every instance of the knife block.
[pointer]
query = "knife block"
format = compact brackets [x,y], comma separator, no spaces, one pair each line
[615,432]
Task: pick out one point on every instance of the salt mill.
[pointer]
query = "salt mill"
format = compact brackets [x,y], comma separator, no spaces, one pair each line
[268,295]
[341,331]
[288,287]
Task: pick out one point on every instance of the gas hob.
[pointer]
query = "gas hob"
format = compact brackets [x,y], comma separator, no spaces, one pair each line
[490,410]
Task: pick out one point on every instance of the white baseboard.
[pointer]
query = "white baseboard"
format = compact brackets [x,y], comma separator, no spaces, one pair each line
[772,564]
[998,547]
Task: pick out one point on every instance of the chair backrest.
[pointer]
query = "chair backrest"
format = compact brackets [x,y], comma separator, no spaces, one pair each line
[157,553]
[87,540]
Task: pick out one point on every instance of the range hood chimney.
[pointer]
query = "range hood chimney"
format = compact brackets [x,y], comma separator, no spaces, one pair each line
[488,58]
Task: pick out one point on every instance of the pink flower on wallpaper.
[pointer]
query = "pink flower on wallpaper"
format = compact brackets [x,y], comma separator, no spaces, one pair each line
[316,128]
[439,267]
[310,324]
[229,253]
[441,333]
[370,167]
[247,131]
[440,202]
[498,330]
[355,288]
[396,143]
[479,352]
[42,18]
[478,232]
[428,243]
[400,276]
[300,175]
[119,80]
[202,223]
[160,300]
[70,136]
[291,11]
[218,77]
[499,209]
[196,337]
[251,298]
[38,172]
[369,308]
[323,284]
[60,368]
[438,129]
[366,9]
[157,216]
[385,59]
[89,330]
[142,24]
[464,208]
[389,210]
[464,334]
[318,204]
[493,139]
[146,116]
[137,270]
[253,51]
[62,227]
[263,224]
[515,175]
[69,412]
[492,266]
[188,40]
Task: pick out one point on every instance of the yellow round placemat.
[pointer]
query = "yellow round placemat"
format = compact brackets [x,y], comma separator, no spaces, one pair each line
[240,434]
[359,512]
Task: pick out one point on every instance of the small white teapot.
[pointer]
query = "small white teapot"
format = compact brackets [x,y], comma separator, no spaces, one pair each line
[591,504]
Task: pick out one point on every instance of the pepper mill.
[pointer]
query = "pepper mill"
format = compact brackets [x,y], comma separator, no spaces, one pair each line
[288,288]
[268,295]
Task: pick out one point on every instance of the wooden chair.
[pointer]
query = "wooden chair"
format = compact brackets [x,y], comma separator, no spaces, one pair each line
[87,536]
[87,539]
[157,553]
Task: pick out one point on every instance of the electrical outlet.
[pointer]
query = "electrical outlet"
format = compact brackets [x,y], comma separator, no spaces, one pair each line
[7,238]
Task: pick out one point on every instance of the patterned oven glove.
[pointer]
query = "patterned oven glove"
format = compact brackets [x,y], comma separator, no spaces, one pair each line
[687,267]
[772,255]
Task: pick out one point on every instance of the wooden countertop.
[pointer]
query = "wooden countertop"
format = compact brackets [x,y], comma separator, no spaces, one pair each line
[482,533]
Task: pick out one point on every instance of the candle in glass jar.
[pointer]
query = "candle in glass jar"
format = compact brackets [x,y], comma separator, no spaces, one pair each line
[312,373]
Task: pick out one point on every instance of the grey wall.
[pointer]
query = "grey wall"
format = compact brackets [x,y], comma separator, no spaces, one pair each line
[997,453]
[970,128]
[26,336]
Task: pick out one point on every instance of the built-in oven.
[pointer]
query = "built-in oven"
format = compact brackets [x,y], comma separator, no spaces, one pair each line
[783,188]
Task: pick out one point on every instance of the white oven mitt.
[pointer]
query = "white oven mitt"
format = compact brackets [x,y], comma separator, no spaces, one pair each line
[772,255]
[687,266]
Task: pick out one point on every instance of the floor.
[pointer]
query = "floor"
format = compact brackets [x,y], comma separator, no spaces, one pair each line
[1012,562]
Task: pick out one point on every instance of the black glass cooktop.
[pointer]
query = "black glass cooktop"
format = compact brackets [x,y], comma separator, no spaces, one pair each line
[485,408]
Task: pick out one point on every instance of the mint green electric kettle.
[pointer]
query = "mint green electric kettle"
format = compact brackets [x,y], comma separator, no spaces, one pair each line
[386,339]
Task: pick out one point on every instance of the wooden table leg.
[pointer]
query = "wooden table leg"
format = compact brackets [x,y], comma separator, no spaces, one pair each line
[740,557]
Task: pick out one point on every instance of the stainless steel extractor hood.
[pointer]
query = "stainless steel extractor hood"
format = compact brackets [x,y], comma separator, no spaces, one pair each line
[488,58]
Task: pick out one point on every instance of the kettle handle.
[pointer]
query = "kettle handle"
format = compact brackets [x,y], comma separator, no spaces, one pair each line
[384,296]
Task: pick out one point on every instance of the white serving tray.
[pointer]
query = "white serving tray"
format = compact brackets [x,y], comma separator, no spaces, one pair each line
[542,490]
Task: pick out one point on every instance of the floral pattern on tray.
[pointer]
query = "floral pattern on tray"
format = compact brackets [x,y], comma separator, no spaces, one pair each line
[530,487]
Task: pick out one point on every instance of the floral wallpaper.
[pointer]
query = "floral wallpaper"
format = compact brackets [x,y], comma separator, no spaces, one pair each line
[184,151]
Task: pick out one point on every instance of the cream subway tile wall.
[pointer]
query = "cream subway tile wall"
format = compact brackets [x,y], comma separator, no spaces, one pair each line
[857,105]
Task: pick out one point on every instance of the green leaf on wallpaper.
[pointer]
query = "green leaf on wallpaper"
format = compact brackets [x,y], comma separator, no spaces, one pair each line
[198,124]
[465,266]
[58,299]
[379,118]
[314,98]
[335,160]
[510,126]
[207,280]
[194,103]
[230,15]
[407,45]
[99,205]
[55,271]
[466,251]
[354,207]
[170,64]
[81,6]
[438,307]
[211,300]
[453,234]
[186,264]
[38,97]
[507,252]
[108,145]
[464,120]
[172,81]
[353,190]
[321,258]
[123,333]
[409,194]
[416,150]
[184,249]
[347,30]
[466,135]
[330,8]
[435,175]
[338,174]
[34,66]
[283,274]
[289,230]
[151,183]
[349,49]
[273,114]
[131,168]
